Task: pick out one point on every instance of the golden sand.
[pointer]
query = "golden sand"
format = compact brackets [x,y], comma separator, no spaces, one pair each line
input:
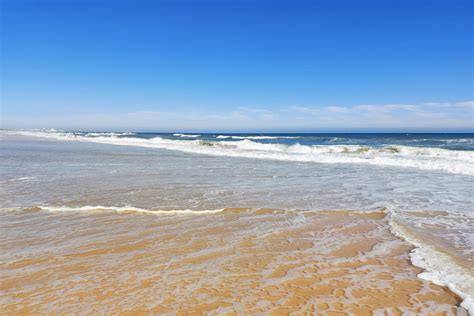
[237,262]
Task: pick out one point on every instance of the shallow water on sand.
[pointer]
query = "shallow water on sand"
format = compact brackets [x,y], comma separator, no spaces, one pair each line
[235,260]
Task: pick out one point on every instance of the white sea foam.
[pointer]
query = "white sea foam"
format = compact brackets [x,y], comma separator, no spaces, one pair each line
[186,135]
[111,134]
[255,137]
[126,209]
[20,179]
[424,158]
[438,267]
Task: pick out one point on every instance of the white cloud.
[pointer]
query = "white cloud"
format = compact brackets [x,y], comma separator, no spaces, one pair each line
[433,115]
[466,104]
[423,116]
[336,109]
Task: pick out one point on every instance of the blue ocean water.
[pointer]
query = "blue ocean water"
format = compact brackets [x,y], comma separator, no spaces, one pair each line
[453,141]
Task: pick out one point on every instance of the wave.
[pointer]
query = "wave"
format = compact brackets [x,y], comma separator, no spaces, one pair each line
[186,135]
[438,267]
[111,134]
[423,158]
[20,179]
[131,209]
[460,140]
[123,209]
[255,137]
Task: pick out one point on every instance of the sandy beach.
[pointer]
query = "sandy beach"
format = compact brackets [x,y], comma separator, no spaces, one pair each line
[231,261]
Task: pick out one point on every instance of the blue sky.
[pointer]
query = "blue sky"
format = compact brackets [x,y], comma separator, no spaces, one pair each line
[387,65]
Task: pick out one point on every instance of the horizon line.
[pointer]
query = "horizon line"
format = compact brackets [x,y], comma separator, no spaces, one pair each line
[243,132]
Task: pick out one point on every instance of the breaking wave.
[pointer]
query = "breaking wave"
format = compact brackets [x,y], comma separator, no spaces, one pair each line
[111,134]
[255,137]
[424,158]
[186,135]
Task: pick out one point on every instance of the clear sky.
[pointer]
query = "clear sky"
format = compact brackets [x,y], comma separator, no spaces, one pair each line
[399,65]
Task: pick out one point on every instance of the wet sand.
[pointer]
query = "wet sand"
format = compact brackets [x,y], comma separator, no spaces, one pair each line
[238,261]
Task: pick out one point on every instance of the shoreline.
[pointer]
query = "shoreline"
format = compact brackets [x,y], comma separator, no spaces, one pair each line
[434,269]
[279,261]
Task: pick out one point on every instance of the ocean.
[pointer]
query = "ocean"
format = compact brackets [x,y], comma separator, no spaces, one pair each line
[191,216]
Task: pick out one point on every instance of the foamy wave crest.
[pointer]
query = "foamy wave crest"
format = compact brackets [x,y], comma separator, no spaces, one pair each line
[20,179]
[125,209]
[424,158]
[439,268]
[111,134]
[186,135]
[255,137]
